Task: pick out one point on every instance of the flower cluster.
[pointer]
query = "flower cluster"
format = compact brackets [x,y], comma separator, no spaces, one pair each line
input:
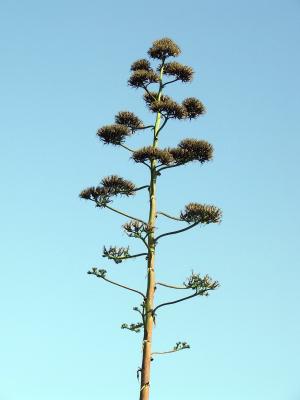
[114,185]
[111,186]
[189,108]
[192,150]
[201,213]
[201,285]
[151,153]
[118,254]
[163,48]
[181,346]
[143,64]
[181,72]
[193,107]
[100,273]
[142,77]
[129,120]
[113,134]
[168,107]
[97,194]
[133,327]
[188,150]
[134,228]
[150,97]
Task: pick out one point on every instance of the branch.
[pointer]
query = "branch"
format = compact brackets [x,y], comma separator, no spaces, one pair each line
[175,301]
[149,93]
[116,259]
[179,231]
[126,147]
[142,187]
[173,80]
[163,124]
[100,273]
[171,286]
[124,214]
[202,292]
[179,346]
[170,166]
[169,216]
[131,150]
[144,127]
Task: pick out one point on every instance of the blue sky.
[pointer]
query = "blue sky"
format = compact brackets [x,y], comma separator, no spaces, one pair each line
[64,69]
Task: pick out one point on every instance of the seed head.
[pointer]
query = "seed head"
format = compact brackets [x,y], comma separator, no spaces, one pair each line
[142,77]
[150,97]
[113,134]
[163,48]
[150,153]
[192,150]
[201,213]
[141,64]
[114,185]
[193,107]
[128,119]
[167,106]
[97,194]
[179,71]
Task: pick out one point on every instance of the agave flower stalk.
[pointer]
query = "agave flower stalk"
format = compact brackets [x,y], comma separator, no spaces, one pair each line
[156,160]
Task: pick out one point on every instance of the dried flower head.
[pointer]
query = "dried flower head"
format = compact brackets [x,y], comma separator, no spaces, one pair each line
[179,71]
[201,285]
[193,107]
[113,134]
[142,77]
[201,213]
[150,153]
[134,228]
[141,64]
[150,97]
[97,194]
[88,193]
[164,48]
[192,150]
[181,346]
[114,185]
[128,119]
[117,254]
[133,327]
[168,107]
[100,273]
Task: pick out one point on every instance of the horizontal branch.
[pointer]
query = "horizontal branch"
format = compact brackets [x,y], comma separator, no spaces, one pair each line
[126,257]
[169,216]
[144,127]
[170,166]
[94,271]
[171,286]
[178,231]
[179,346]
[124,214]
[164,352]
[140,188]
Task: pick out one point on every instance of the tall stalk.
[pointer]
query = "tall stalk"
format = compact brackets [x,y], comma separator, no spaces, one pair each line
[156,160]
[149,301]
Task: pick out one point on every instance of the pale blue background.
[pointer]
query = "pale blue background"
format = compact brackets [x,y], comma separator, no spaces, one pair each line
[64,67]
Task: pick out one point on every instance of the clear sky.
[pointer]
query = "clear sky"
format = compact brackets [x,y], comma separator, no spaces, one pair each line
[64,67]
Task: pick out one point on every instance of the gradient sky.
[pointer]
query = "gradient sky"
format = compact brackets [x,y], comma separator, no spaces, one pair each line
[64,68]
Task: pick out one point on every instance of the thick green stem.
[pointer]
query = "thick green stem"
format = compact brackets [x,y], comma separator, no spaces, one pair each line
[149,301]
